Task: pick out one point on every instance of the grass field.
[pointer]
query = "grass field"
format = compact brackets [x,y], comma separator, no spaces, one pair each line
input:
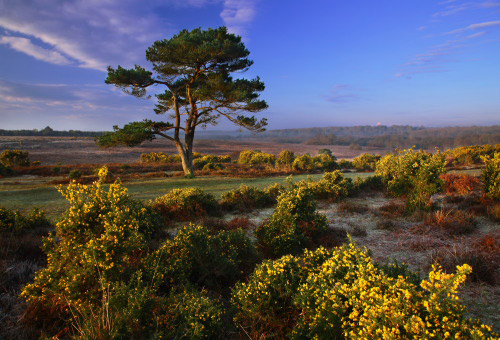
[24,193]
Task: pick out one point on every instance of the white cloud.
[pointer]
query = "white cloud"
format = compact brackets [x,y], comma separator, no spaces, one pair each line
[26,46]
[238,14]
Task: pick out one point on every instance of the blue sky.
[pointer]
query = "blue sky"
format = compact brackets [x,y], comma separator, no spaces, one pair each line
[324,62]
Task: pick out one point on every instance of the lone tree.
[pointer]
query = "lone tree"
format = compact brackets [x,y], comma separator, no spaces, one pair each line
[195,67]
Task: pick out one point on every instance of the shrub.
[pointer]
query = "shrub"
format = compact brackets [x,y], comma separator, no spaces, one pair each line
[345,164]
[245,198]
[252,157]
[326,152]
[16,222]
[75,174]
[491,176]
[294,225]
[414,174]
[351,207]
[213,167]
[274,191]
[365,162]
[460,184]
[369,183]
[159,157]
[304,163]
[333,186]
[100,240]
[470,155]
[202,162]
[285,159]
[10,158]
[185,204]
[214,260]
[265,303]
[343,294]
[325,162]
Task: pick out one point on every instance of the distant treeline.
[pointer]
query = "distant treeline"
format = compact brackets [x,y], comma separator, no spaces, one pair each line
[395,136]
[392,136]
[49,132]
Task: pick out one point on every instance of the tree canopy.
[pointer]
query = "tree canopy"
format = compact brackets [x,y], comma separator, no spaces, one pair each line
[195,67]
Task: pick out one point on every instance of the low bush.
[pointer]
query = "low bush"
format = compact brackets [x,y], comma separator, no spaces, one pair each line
[100,241]
[274,191]
[253,157]
[285,159]
[343,294]
[394,208]
[75,174]
[11,158]
[159,157]
[17,222]
[197,256]
[470,155]
[325,162]
[367,184]
[345,164]
[414,174]
[5,170]
[490,176]
[366,162]
[186,204]
[333,186]
[213,167]
[205,160]
[245,198]
[304,163]
[351,207]
[460,184]
[294,225]
[219,224]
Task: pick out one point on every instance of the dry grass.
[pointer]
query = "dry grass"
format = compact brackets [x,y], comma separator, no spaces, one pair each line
[460,184]
[452,221]
[349,207]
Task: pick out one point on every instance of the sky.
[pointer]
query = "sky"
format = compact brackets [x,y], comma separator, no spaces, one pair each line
[324,62]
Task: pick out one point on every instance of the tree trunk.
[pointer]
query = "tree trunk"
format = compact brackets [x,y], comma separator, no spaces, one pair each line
[186,159]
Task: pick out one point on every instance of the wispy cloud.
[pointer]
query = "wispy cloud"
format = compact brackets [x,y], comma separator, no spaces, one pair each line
[438,58]
[341,93]
[26,46]
[96,33]
[238,14]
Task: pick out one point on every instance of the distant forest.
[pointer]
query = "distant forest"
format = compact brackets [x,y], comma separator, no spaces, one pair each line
[395,136]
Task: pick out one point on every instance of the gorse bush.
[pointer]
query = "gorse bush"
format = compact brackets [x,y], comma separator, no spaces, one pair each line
[201,162]
[345,164]
[325,162]
[343,295]
[17,222]
[491,176]
[245,198]
[294,225]
[203,258]
[366,162]
[185,204]
[274,191]
[100,240]
[5,170]
[369,183]
[75,174]
[304,163]
[470,155]
[253,157]
[415,174]
[10,158]
[159,157]
[285,159]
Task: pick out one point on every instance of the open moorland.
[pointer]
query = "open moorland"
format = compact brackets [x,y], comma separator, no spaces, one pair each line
[125,240]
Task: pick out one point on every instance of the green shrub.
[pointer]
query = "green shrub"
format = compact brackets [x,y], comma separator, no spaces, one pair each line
[333,186]
[345,164]
[490,176]
[5,170]
[342,294]
[253,157]
[213,166]
[366,162]
[199,257]
[100,240]
[75,174]
[325,162]
[17,222]
[274,191]
[304,163]
[201,162]
[285,159]
[369,183]
[159,157]
[185,204]
[326,152]
[415,174]
[470,155]
[245,198]
[294,225]
[265,304]
[10,158]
